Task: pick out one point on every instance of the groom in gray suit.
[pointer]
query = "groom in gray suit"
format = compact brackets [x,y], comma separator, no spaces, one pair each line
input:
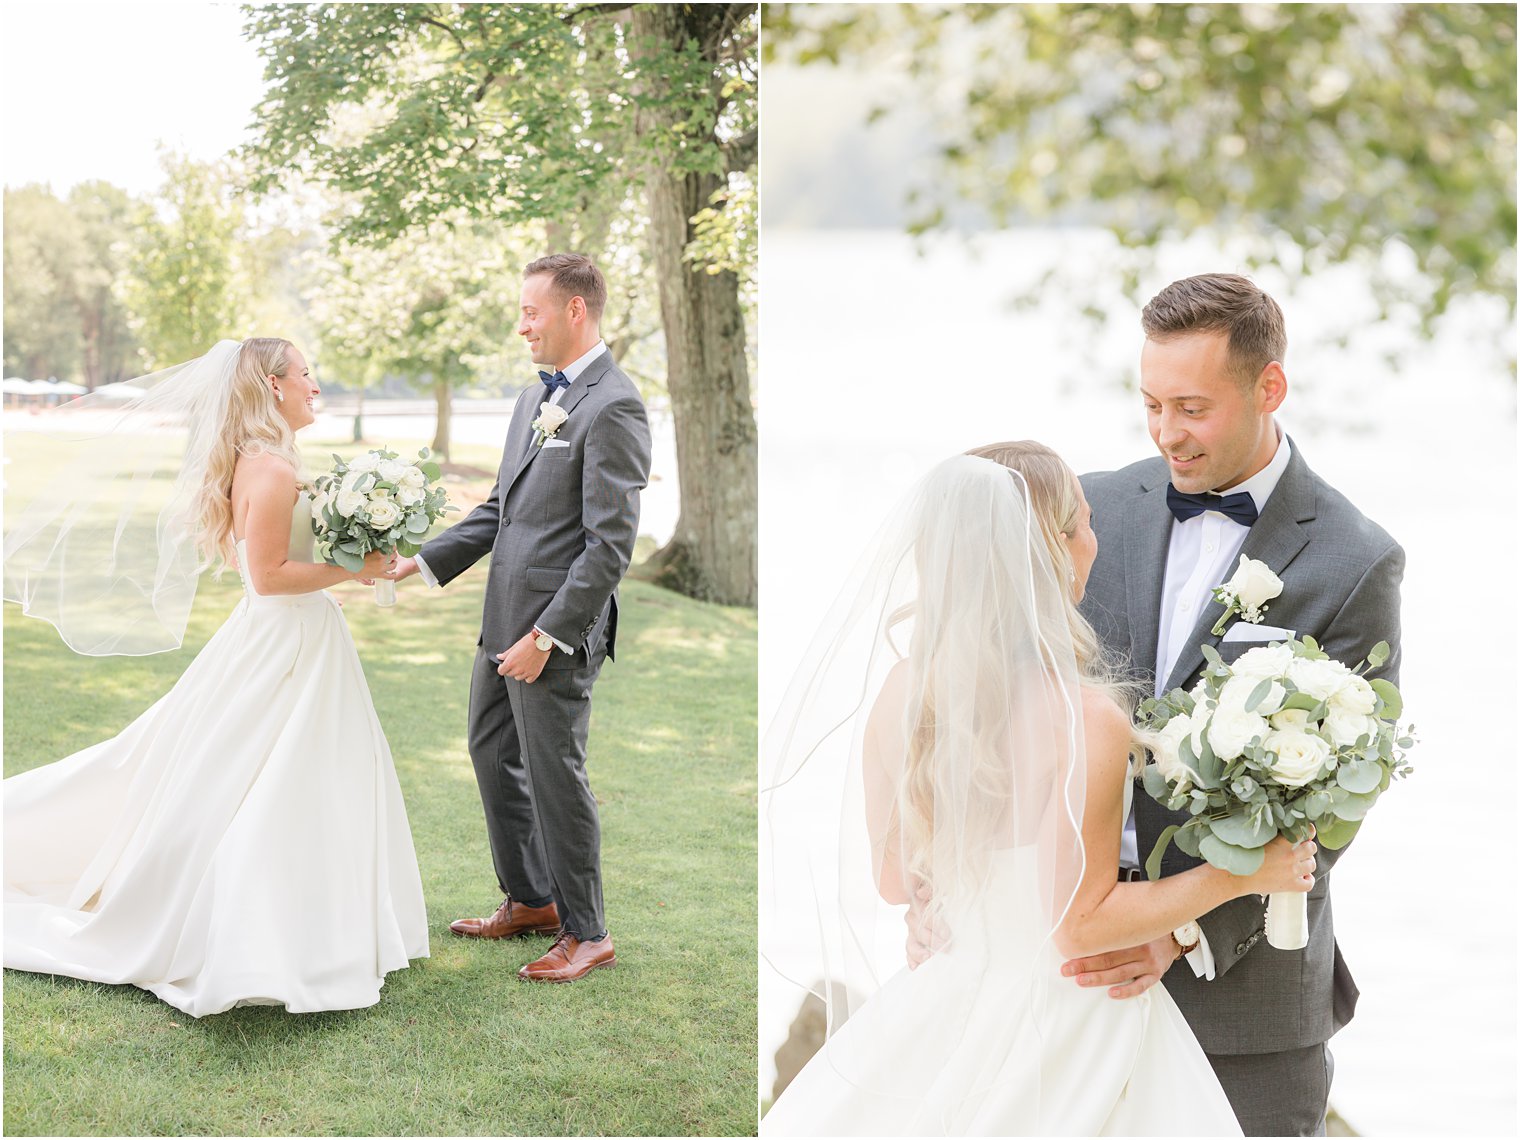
[559,526]
[1230,483]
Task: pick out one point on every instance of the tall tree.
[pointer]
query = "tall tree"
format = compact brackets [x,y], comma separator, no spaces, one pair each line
[44,249]
[549,115]
[1314,134]
[181,284]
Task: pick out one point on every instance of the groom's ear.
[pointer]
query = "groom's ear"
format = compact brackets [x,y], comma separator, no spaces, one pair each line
[1272,387]
[577,308]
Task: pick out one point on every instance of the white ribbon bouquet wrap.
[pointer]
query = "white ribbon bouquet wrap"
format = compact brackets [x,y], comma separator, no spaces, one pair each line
[376,501]
[1283,740]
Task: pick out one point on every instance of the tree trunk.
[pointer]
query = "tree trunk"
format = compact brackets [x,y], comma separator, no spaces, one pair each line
[359,416]
[443,395]
[712,554]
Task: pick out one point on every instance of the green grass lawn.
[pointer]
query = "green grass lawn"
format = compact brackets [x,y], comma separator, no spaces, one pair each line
[662,1045]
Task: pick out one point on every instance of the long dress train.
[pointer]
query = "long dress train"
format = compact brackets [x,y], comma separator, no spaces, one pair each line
[243,842]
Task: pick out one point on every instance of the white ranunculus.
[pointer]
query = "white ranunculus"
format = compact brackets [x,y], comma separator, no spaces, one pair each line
[1262,662]
[413,477]
[383,514]
[1164,747]
[1345,728]
[319,503]
[379,494]
[391,470]
[1318,679]
[1254,584]
[409,496]
[1298,756]
[1355,696]
[349,501]
[1231,728]
[362,463]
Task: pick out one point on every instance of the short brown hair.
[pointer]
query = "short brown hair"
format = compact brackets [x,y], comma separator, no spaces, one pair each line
[575,275]
[1221,302]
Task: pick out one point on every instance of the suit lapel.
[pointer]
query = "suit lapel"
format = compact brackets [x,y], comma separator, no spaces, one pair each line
[1275,539]
[1147,532]
[573,395]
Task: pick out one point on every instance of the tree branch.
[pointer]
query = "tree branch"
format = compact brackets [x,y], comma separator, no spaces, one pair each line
[742,151]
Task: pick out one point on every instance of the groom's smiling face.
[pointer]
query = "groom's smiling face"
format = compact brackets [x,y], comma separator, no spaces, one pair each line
[1213,429]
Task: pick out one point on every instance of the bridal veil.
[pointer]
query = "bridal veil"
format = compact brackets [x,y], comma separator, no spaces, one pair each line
[929,748]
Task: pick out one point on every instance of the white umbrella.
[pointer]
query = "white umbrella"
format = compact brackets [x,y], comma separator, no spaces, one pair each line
[64,388]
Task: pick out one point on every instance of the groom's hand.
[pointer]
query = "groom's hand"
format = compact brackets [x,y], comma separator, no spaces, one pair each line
[1130,972]
[524,661]
[405,568]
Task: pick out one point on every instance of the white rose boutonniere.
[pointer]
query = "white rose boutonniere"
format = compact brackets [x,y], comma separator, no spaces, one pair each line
[1246,593]
[551,417]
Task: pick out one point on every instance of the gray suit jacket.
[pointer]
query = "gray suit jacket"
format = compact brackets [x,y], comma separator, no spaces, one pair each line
[1340,574]
[561,521]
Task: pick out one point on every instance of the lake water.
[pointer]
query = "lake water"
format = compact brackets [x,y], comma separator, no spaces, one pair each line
[877,364]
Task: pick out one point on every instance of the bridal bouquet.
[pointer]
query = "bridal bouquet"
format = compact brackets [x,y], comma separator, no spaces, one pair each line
[1283,739]
[376,501]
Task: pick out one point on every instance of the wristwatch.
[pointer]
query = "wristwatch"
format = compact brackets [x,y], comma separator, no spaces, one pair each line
[542,641]
[1187,936]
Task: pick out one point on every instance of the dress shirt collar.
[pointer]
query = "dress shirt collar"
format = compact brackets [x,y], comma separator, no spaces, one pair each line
[1261,485]
[573,370]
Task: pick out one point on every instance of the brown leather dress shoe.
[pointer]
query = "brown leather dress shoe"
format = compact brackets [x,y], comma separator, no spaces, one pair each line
[510,920]
[569,959]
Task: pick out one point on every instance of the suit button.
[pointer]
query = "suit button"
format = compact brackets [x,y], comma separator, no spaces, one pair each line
[506,522]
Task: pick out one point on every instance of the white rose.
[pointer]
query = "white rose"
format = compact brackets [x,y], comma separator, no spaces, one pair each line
[413,477]
[1263,662]
[1355,696]
[1164,747]
[1346,728]
[1255,585]
[1318,679]
[551,417]
[1299,756]
[383,514]
[391,470]
[349,501]
[319,503]
[1297,719]
[409,496]
[362,463]
[1238,689]
[379,495]
[1231,728]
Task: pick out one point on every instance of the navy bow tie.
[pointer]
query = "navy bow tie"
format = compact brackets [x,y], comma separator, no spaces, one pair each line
[1239,506]
[558,380]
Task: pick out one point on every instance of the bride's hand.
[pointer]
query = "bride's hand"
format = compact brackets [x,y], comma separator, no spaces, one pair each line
[377,564]
[1287,867]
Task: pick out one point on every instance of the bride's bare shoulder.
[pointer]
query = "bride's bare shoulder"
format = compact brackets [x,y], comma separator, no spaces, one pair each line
[264,469]
[1105,725]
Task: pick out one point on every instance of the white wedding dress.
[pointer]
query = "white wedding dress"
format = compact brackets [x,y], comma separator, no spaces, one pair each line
[243,842]
[1071,1061]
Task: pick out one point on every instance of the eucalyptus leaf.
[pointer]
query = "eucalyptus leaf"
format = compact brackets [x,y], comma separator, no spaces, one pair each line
[1393,703]
[1153,863]
[1359,776]
[1229,857]
[1246,829]
[1334,833]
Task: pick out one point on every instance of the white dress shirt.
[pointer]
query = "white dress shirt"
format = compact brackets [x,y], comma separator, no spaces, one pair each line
[572,373]
[1202,554]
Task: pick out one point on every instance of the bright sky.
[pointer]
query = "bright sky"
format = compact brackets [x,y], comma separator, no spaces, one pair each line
[88,90]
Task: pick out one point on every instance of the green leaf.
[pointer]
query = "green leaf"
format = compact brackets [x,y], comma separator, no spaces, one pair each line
[1229,857]
[1155,783]
[1310,643]
[1393,703]
[1379,654]
[1187,841]
[1259,693]
[1336,833]
[1359,776]
[1248,829]
[347,560]
[1300,701]
[1211,655]
[1153,864]
[417,524]
[431,470]
[1349,805]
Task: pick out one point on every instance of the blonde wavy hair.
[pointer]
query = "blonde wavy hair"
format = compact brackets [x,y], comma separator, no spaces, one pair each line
[1056,506]
[251,425]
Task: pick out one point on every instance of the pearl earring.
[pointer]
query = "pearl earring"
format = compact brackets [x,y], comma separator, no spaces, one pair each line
[278,395]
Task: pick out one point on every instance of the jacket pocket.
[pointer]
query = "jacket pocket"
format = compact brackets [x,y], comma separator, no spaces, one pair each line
[545,579]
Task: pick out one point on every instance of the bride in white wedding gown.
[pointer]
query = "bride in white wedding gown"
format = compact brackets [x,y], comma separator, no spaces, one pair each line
[953,741]
[244,841]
